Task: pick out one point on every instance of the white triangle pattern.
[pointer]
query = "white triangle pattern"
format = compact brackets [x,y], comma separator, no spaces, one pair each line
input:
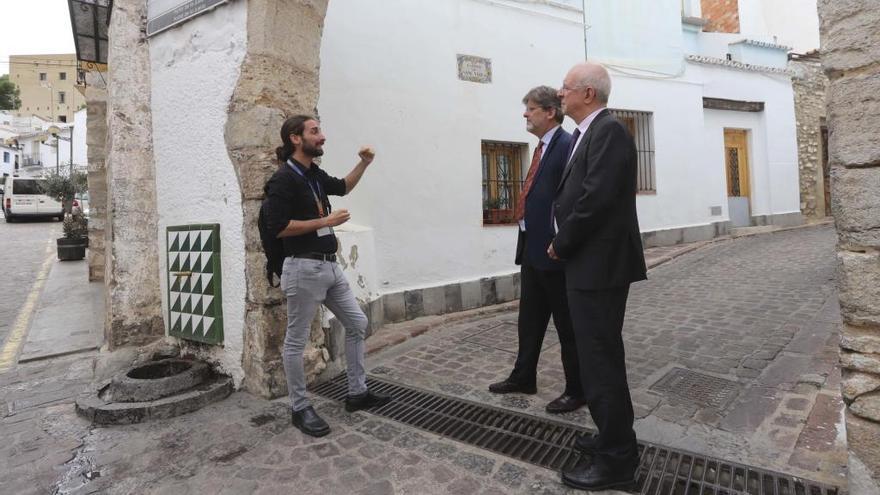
[186,317]
[206,279]
[206,257]
[207,321]
[171,238]
[175,317]
[174,297]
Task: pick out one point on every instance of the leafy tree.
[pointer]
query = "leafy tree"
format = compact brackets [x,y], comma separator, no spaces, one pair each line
[8,94]
[64,186]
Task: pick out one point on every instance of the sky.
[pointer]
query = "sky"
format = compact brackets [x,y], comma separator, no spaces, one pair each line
[33,27]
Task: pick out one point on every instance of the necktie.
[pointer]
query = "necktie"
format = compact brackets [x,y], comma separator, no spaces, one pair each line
[574,139]
[530,178]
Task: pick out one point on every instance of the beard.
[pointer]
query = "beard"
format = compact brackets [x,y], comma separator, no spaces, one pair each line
[312,151]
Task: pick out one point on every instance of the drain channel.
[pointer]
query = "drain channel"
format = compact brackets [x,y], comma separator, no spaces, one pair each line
[546,443]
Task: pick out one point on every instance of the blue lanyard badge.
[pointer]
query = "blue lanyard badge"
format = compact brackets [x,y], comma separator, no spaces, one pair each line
[316,193]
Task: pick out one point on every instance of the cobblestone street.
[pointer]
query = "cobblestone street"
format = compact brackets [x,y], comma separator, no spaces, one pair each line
[731,352]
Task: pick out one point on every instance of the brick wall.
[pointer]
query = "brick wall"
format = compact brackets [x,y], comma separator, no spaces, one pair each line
[722,16]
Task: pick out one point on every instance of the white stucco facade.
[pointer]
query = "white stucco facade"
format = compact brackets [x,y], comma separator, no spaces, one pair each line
[195,67]
[422,196]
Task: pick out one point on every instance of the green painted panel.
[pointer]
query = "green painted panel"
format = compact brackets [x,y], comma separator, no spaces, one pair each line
[194,283]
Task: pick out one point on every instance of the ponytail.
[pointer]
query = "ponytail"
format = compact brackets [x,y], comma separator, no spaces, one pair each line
[293,125]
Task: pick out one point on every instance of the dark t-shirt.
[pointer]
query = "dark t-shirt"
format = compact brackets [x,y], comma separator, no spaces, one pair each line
[291,196]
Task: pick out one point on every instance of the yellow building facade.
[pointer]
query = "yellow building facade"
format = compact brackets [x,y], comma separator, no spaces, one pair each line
[47,84]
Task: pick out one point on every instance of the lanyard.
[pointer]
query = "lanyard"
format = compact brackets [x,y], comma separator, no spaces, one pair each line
[318,201]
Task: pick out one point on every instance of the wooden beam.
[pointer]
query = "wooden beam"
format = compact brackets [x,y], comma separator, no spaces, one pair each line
[733,105]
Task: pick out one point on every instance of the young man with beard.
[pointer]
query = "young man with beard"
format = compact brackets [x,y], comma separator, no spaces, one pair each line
[300,214]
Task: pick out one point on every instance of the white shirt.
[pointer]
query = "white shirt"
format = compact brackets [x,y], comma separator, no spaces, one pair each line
[545,141]
[583,126]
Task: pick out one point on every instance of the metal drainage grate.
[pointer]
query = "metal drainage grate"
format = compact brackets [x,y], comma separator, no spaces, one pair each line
[546,443]
[697,388]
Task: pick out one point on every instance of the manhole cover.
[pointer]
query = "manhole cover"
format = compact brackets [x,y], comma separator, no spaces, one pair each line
[504,338]
[697,388]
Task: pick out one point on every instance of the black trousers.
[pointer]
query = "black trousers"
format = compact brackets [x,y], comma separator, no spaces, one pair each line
[542,294]
[597,316]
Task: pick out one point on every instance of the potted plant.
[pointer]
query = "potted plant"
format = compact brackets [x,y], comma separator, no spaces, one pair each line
[64,187]
[72,246]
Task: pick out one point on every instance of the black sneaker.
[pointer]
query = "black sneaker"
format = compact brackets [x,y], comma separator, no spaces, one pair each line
[308,422]
[366,400]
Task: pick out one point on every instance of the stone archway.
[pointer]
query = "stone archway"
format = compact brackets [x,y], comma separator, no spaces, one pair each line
[279,78]
[851,59]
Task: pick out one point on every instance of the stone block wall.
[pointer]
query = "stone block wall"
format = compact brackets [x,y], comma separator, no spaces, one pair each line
[279,79]
[810,85]
[96,137]
[722,16]
[133,304]
[851,59]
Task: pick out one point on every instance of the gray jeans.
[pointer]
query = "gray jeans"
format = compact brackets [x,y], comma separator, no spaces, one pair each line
[307,284]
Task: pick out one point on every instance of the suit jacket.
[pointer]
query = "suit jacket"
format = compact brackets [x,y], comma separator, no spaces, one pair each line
[595,209]
[531,246]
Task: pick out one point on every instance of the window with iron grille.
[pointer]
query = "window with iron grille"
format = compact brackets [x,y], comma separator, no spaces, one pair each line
[502,180]
[640,125]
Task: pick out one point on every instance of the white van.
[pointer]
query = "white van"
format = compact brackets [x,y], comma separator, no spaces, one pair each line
[24,197]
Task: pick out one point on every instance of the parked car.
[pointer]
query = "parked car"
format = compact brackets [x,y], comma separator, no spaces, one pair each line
[24,197]
[81,204]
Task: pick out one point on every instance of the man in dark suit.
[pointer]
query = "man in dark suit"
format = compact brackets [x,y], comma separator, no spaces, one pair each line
[598,239]
[542,280]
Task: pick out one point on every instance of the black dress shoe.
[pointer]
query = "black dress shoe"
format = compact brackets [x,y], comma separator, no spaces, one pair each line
[564,403]
[365,401]
[508,387]
[308,422]
[599,475]
[586,444]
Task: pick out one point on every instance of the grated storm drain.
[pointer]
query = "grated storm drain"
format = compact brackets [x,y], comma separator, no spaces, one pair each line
[700,389]
[546,443]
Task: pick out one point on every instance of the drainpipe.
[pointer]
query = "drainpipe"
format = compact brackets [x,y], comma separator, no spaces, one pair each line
[584,11]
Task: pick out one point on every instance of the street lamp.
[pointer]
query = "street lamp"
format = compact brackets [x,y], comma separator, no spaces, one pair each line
[55,131]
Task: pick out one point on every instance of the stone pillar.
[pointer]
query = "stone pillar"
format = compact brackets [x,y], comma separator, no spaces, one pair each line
[851,58]
[96,140]
[810,84]
[134,310]
[279,78]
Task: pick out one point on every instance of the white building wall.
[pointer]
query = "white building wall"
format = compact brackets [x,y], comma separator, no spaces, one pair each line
[391,81]
[772,140]
[422,196]
[195,67]
[686,187]
[793,22]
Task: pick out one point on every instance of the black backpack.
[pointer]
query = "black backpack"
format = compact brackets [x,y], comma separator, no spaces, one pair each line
[272,246]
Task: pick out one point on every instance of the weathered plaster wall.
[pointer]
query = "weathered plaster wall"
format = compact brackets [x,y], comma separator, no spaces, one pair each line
[195,67]
[851,58]
[278,78]
[773,169]
[132,267]
[810,85]
[96,120]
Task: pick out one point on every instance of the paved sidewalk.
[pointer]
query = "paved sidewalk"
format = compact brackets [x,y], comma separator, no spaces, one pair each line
[756,315]
[69,317]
